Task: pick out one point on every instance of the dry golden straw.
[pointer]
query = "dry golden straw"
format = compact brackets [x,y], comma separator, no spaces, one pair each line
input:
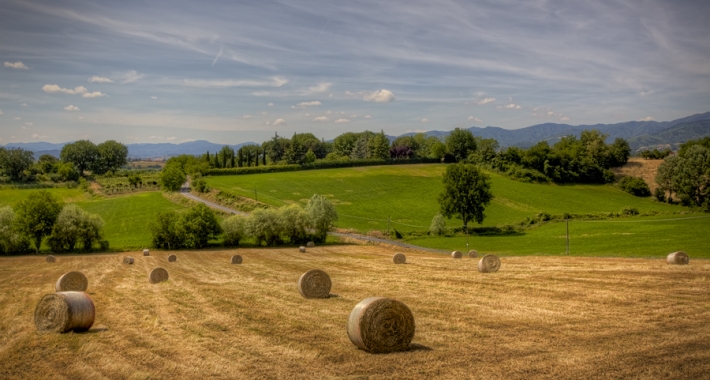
[236,259]
[302,249]
[473,253]
[456,254]
[678,258]
[127,260]
[51,259]
[172,258]
[381,325]
[399,258]
[158,275]
[64,311]
[310,244]
[489,263]
[146,252]
[314,284]
[72,281]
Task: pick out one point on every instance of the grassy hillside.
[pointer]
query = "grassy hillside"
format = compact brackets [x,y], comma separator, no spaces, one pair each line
[365,197]
[538,317]
[8,197]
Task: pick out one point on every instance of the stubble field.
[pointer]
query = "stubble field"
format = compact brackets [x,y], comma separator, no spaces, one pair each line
[546,317]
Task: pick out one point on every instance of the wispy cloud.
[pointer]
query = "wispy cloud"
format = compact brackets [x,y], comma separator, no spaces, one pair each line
[130,76]
[424,120]
[313,103]
[98,79]
[273,82]
[37,136]
[219,54]
[279,122]
[647,118]
[321,118]
[473,118]
[16,65]
[342,121]
[53,88]
[72,107]
[381,96]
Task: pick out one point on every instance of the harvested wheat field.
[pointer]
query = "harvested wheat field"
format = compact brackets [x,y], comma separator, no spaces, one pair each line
[642,168]
[537,317]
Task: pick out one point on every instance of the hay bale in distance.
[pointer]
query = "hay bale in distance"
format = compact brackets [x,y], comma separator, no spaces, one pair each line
[72,282]
[236,259]
[158,275]
[146,252]
[310,244]
[64,311]
[678,258]
[489,264]
[314,284]
[128,260]
[302,249]
[51,259]
[473,253]
[381,325]
[456,254]
[399,258]
[172,258]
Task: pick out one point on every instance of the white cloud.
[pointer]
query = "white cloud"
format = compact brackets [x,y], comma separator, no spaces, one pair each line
[425,120]
[264,113]
[564,118]
[646,93]
[381,96]
[0,112]
[473,118]
[18,118]
[29,124]
[320,87]
[38,136]
[130,76]
[72,107]
[156,137]
[53,88]
[270,104]
[16,65]
[510,106]
[154,97]
[313,103]
[279,122]
[341,121]
[485,101]
[247,116]
[187,140]
[171,138]
[306,115]
[353,116]
[95,94]
[98,79]
[368,117]
[328,112]
[132,137]
[321,118]
[647,118]
[274,82]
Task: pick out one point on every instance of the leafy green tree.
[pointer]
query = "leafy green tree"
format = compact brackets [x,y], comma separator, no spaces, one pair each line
[166,230]
[321,215]
[15,162]
[199,225]
[35,216]
[437,150]
[48,163]
[74,225]
[277,148]
[172,178]
[692,179]
[666,175]
[67,172]
[10,240]
[344,144]
[310,157]
[111,156]
[485,150]
[460,143]
[635,186]
[619,152]
[379,146]
[466,194]
[83,154]
[705,141]
[296,151]
[234,231]
[263,226]
[226,155]
[294,224]
[361,149]
[438,225]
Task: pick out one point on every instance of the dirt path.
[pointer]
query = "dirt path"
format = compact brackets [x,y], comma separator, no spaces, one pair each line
[185,191]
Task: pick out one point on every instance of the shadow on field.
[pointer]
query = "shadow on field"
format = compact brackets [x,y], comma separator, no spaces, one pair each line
[419,347]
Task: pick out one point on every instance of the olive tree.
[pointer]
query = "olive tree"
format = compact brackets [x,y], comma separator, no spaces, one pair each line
[321,215]
[233,230]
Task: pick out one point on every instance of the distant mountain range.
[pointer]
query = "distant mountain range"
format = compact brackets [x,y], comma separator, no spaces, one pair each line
[640,135]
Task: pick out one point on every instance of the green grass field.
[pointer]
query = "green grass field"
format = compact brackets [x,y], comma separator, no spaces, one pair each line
[365,197]
[8,197]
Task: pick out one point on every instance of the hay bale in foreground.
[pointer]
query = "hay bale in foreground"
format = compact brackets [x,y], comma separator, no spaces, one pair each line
[158,275]
[127,260]
[314,284]
[51,259]
[302,249]
[64,311]
[72,282]
[310,244]
[146,252]
[489,264]
[236,259]
[381,325]
[172,258]
[456,254]
[399,258]
[473,253]
[678,258]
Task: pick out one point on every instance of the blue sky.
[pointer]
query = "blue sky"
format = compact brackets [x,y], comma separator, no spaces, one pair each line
[235,71]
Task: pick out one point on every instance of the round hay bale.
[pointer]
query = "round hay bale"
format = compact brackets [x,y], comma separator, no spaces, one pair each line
[146,252]
[473,253]
[399,258]
[381,325]
[127,260]
[678,258]
[172,258]
[302,249]
[456,254]
[72,282]
[236,259]
[489,264]
[51,259]
[64,311]
[158,275]
[310,244]
[314,284]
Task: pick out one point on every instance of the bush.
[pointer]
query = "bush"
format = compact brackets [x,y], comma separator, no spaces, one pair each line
[73,226]
[521,174]
[263,226]
[321,216]
[172,178]
[199,185]
[192,229]
[294,224]
[629,211]
[35,216]
[233,230]
[438,225]
[10,240]
[635,186]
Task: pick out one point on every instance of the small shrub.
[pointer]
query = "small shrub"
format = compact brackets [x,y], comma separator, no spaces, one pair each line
[635,186]
[233,228]
[438,225]
[660,195]
[543,217]
[629,211]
